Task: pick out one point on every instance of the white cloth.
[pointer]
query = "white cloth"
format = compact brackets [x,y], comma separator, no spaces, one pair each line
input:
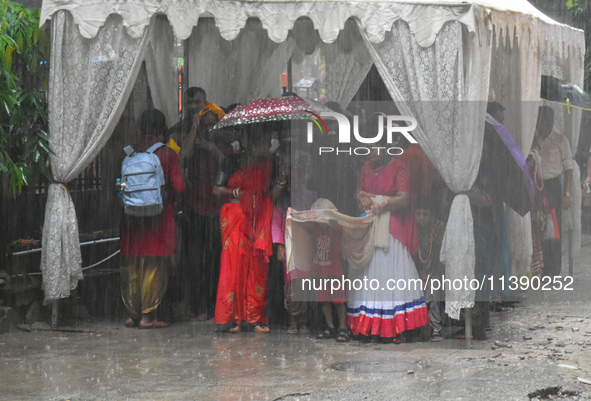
[162,70]
[347,65]
[394,267]
[247,68]
[357,239]
[278,17]
[90,82]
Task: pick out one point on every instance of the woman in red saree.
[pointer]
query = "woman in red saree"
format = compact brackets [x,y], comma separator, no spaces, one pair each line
[245,223]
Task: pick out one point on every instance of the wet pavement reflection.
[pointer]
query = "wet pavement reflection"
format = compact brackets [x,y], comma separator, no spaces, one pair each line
[540,343]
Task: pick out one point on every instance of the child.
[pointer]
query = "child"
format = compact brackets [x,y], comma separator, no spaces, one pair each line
[430,237]
[327,265]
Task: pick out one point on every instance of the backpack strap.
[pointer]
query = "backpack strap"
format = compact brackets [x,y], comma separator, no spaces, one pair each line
[128,150]
[155,147]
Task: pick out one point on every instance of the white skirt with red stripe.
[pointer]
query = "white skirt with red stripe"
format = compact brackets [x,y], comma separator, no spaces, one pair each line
[386,298]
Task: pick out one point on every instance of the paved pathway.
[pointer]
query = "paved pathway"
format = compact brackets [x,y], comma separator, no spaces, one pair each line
[541,343]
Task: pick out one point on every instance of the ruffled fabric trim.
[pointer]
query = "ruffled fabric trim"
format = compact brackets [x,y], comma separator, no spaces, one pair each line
[388,321]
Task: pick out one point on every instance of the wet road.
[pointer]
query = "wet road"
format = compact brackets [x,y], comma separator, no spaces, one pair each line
[540,343]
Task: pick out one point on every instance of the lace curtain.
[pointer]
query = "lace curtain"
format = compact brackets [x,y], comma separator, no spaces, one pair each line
[347,65]
[246,68]
[444,87]
[161,68]
[515,83]
[90,81]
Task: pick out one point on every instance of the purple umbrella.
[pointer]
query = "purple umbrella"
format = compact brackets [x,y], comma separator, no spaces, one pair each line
[513,181]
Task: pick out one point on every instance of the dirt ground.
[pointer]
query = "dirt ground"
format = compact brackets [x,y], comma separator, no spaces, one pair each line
[536,349]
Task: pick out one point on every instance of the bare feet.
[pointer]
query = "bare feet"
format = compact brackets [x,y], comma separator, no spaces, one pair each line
[261,328]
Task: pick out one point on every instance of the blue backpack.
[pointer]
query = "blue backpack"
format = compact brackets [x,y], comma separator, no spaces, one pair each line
[142,182]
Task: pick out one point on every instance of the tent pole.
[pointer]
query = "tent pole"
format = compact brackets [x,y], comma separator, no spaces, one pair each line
[468,329]
[289,77]
[185,82]
[54,314]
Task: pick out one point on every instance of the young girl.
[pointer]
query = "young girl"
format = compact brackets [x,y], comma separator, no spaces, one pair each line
[326,265]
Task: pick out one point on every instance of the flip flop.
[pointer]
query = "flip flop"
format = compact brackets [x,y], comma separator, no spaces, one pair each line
[159,325]
[131,323]
[344,335]
[399,339]
[329,332]
[146,326]
[293,329]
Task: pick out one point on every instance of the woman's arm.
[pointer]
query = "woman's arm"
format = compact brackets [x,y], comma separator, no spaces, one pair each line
[277,189]
[399,201]
[188,143]
[365,200]
[223,192]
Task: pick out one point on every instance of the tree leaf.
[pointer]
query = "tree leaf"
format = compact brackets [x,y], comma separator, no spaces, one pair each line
[9,50]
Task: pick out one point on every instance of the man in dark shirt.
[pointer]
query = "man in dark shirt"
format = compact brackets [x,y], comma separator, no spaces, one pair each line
[194,102]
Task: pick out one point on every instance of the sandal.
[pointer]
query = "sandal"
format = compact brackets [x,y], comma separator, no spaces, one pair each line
[130,323]
[436,336]
[159,325]
[293,328]
[327,333]
[399,339]
[236,328]
[148,326]
[261,328]
[344,335]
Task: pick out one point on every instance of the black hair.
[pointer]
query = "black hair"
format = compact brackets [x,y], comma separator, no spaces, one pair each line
[546,112]
[217,118]
[289,94]
[152,122]
[334,106]
[493,108]
[194,91]
[423,202]
[355,109]
[231,107]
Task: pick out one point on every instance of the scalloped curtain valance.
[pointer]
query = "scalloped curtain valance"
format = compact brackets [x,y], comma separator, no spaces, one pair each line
[425,18]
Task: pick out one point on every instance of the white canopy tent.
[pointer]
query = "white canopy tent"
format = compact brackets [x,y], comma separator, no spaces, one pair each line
[435,58]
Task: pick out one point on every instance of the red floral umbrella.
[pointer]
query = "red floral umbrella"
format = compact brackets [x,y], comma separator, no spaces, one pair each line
[272,109]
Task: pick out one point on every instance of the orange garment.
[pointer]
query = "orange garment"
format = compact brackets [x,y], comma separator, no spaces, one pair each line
[247,245]
[214,108]
[420,167]
[209,106]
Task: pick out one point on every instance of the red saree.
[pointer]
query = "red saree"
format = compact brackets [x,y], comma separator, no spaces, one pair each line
[247,245]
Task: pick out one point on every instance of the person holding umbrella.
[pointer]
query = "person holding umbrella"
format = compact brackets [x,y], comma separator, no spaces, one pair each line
[556,170]
[246,179]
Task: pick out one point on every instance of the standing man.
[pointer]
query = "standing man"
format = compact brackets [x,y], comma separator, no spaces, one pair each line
[183,139]
[557,169]
[195,101]
[202,242]
[149,242]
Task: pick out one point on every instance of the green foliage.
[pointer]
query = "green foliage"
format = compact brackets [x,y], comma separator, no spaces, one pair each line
[24,142]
